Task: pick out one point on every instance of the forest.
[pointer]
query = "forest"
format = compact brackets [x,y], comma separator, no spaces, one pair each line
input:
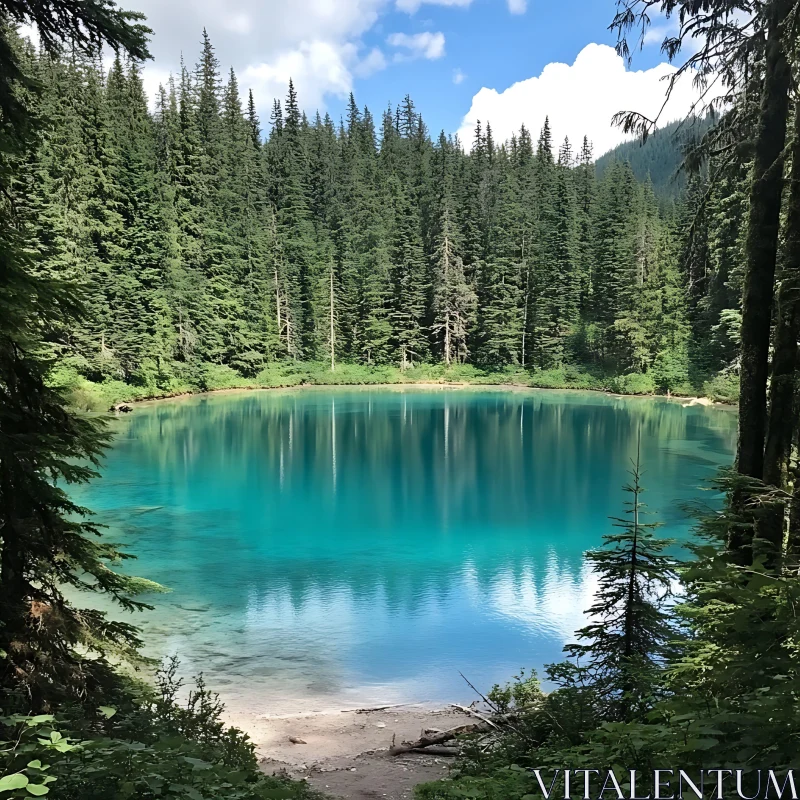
[157,248]
[211,246]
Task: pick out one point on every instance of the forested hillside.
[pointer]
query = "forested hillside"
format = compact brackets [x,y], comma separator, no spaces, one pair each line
[660,157]
[206,239]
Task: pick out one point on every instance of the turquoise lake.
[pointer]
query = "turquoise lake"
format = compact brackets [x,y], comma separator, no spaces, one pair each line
[337,548]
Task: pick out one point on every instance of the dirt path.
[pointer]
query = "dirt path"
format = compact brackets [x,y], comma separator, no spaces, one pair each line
[346,752]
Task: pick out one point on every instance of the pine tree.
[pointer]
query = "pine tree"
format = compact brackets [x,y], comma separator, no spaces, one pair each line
[48,646]
[614,275]
[195,242]
[295,230]
[409,280]
[621,653]
[585,190]
[454,300]
[499,295]
[563,255]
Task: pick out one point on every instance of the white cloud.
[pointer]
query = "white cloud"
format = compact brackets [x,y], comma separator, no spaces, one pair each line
[374,62]
[580,99]
[29,32]
[517,6]
[419,45]
[319,67]
[655,35]
[316,42]
[153,77]
[458,76]
[239,23]
[412,6]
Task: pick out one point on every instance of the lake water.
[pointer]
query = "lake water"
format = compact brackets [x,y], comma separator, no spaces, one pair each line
[337,548]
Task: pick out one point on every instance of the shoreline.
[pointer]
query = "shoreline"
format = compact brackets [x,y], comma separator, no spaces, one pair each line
[685,400]
[345,753]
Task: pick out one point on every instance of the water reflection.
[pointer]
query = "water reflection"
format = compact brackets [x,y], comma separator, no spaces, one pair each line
[353,546]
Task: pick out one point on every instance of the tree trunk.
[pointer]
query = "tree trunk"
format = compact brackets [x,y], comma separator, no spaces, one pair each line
[12,577]
[447,342]
[782,419]
[628,682]
[793,540]
[333,329]
[278,303]
[761,247]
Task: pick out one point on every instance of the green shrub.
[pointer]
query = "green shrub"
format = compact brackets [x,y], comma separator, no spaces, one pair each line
[723,388]
[151,747]
[549,378]
[670,370]
[463,373]
[633,383]
[277,374]
[151,381]
[212,377]
[352,374]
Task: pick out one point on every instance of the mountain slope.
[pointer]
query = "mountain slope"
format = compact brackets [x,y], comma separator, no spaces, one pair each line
[660,157]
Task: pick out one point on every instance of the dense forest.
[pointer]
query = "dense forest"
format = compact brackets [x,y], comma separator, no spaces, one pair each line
[153,247]
[660,157]
[202,240]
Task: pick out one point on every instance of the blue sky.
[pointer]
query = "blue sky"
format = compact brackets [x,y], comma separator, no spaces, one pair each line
[490,47]
[460,60]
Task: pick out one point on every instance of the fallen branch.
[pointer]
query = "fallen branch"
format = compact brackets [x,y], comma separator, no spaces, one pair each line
[447,752]
[377,708]
[472,713]
[439,738]
[480,694]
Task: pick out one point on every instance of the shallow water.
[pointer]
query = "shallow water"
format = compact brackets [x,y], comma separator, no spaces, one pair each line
[330,548]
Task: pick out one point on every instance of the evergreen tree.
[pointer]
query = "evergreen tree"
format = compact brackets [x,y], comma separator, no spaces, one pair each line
[454,300]
[409,280]
[47,645]
[614,274]
[622,652]
[195,242]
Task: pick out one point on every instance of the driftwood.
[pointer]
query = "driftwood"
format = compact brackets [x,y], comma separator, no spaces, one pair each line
[295,740]
[472,713]
[486,723]
[122,408]
[375,708]
[440,738]
[447,752]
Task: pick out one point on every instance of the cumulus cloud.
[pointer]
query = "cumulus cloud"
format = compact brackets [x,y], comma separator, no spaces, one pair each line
[418,45]
[458,76]
[580,99]
[373,62]
[316,42]
[318,67]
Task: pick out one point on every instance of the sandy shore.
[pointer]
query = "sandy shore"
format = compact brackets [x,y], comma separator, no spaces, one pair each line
[346,752]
